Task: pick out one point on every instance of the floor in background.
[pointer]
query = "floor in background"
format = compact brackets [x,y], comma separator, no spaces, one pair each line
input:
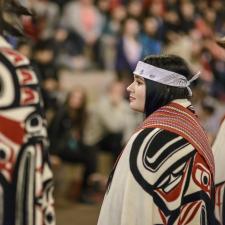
[69,213]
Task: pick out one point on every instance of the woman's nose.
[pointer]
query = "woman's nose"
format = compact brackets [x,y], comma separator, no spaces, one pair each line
[129,88]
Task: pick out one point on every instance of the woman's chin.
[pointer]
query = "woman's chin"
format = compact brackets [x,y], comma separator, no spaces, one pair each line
[135,108]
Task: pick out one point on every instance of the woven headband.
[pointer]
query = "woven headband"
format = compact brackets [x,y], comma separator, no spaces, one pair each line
[164,76]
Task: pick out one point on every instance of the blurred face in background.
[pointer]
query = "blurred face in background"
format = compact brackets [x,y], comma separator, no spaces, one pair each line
[44,56]
[210,16]
[150,26]
[156,8]
[187,10]
[61,34]
[135,8]
[196,43]
[131,27]
[104,5]
[172,17]
[119,13]
[116,92]
[137,94]
[77,99]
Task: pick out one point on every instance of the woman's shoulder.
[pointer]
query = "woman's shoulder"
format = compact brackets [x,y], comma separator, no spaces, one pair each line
[157,138]
[155,151]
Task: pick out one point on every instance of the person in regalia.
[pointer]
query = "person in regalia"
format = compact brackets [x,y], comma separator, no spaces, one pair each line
[26,185]
[165,174]
[219,156]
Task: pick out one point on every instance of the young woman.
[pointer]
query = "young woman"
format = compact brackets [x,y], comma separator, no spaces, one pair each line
[165,174]
[66,134]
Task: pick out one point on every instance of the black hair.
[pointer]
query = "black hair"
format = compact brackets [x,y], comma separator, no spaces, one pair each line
[44,44]
[157,94]
[23,41]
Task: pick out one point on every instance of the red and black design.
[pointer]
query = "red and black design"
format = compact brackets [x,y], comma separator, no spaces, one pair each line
[177,177]
[220,203]
[164,176]
[180,120]
[174,164]
[26,184]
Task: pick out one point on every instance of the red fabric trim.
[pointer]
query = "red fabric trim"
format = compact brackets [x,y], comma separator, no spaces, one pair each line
[180,120]
[187,217]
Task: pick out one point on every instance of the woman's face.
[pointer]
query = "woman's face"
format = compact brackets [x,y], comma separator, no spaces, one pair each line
[131,27]
[137,92]
[76,99]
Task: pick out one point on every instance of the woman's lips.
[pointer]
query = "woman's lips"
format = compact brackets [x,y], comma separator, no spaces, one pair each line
[131,98]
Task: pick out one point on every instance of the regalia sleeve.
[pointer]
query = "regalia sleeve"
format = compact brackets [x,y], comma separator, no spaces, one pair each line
[175,175]
[25,171]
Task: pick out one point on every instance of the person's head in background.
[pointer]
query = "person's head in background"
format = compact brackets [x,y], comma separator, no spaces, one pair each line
[187,10]
[118,14]
[44,52]
[76,100]
[130,27]
[103,6]
[134,9]
[156,8]
[76,106]
[116,91]
[172,20]
[25,47]
[148,95]
[150,26]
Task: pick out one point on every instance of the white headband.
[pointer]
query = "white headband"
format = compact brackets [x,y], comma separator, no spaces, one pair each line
[164,76]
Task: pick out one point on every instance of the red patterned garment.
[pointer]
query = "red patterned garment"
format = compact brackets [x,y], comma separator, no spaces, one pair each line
[219,155]
[180,120]
[165,175]
[26,186]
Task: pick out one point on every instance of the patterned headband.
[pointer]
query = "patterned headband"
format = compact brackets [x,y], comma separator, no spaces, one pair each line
[164,76]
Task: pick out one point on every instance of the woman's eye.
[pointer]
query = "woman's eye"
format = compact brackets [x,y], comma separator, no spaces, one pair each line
[139,82]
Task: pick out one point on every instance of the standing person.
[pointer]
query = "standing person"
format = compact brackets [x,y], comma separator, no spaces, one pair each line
[67,137]
[128,50]
[165,174]
[219,155]
[83,18]
[26,185]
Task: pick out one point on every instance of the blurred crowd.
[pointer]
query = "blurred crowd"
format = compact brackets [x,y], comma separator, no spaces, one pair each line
[112,35]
